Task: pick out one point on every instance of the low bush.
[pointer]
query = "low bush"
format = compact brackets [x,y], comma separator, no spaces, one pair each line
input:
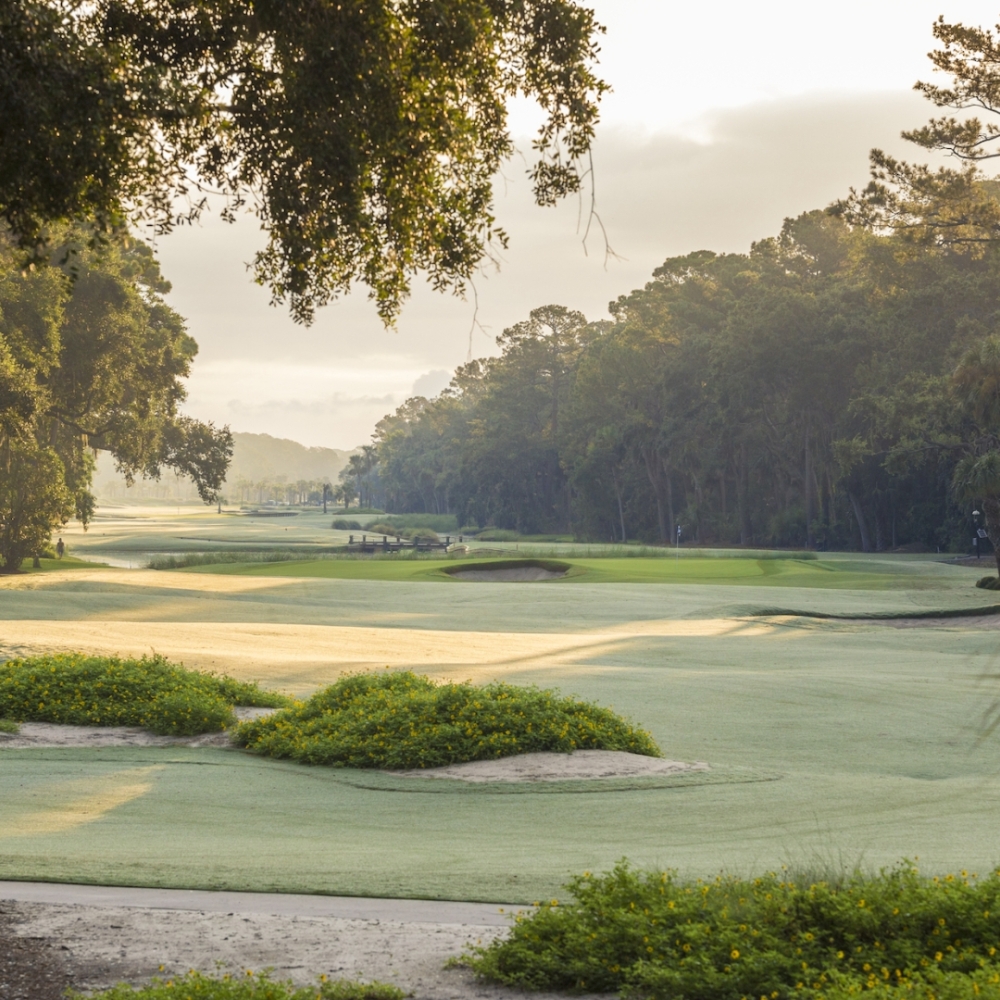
[249,987]
[232,556]
[9,726]
[644,934]
[342,524]
[443,524]
[380,528]
[151,692]
[497,535]
[399,719]
[989,583]
[422,535]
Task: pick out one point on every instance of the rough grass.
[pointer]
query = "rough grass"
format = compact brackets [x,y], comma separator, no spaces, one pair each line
[247,987]
[230,556]
[9,726]
[644,934]
[398,719]
[151,692]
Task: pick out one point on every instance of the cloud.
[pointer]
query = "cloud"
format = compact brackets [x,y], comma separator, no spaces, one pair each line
[730,179]
[431,383]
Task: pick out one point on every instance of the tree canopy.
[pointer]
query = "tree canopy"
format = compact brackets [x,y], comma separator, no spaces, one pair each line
[365,134]
[830,388]
[90,364]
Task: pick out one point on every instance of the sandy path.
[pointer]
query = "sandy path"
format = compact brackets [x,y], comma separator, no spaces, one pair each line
[299,657]
[109,942]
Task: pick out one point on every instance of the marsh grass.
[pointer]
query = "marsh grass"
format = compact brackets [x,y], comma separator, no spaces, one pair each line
[246,987]
[398,719]
[236,556]
[151,692]
[648,935]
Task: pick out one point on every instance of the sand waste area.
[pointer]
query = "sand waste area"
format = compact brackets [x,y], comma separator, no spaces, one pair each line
[581,764]
[99,946]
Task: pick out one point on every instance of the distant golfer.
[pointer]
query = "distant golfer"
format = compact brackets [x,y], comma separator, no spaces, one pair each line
[60,548]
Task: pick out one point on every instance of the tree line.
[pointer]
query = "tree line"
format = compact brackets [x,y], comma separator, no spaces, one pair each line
[832,387]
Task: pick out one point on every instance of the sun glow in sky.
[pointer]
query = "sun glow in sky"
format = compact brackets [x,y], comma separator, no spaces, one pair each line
[726,117]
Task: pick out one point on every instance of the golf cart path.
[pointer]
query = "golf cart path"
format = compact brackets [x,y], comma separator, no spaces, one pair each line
[102,935]
[424,911]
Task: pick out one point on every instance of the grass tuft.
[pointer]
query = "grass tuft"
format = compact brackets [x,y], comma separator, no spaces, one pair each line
[398,719]
[151,692]
[9,726]
[194,986]
[644,934]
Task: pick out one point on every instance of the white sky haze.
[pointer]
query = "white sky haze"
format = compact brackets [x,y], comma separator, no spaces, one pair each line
[726,117]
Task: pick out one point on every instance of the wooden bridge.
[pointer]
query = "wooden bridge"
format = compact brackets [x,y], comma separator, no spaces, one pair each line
[386,543]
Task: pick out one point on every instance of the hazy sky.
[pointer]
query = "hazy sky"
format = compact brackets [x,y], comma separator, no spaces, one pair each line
[726,117]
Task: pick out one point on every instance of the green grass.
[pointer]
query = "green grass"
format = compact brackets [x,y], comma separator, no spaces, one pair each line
[150,692]
[647,935]
[246,987]
[399,719]
[843,573]
[9,726]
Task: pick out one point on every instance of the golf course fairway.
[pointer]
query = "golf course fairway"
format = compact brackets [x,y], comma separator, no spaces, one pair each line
[832,743]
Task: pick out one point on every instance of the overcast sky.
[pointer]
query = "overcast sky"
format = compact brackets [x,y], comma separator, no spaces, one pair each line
[726,117]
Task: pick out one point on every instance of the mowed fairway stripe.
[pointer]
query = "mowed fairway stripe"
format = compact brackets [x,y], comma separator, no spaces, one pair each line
[303,656]
[88,800]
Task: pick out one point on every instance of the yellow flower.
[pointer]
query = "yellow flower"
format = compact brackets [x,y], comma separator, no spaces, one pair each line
[734,953]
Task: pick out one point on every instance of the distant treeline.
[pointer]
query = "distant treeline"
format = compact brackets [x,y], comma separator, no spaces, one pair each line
[800,394]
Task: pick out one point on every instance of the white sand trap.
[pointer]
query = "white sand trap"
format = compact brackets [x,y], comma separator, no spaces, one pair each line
[582,764]
[516,574]
[50,734]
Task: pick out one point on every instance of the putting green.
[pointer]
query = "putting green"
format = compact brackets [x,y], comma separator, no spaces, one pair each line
[832,742]
[835,572]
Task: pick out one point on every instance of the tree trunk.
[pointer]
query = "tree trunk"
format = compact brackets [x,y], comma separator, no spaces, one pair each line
[743,497]
[653,468]
[859,513]
[991,515]
[807,489]
[621,509]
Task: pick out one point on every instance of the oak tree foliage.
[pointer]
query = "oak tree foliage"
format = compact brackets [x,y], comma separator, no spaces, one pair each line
[365,134]
[93,363]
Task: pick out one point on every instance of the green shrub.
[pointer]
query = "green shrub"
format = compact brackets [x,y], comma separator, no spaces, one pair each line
[9,726]
[443,524]
[402,720]
[380,528]
[151,692]
[422,535]
[497,535]
[989,583]
[233,556]
[647,935]
[342,524]
[194,986]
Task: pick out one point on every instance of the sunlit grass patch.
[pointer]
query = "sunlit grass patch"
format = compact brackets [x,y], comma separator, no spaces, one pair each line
[645,934]
[245,987]
[152,692]
[399,719]
[9,726]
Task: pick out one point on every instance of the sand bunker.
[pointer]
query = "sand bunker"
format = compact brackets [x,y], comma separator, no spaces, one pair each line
[510,571]
[582,764]
[524,574]
[49,734]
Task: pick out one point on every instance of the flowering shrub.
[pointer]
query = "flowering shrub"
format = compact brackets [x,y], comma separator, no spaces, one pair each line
[107,691]
[647,935]
[245,987]
[402,720]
